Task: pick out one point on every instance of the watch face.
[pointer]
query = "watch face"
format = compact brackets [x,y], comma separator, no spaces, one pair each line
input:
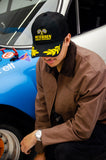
[38,134]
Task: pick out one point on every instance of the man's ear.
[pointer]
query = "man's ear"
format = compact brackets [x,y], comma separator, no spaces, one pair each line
[68,38]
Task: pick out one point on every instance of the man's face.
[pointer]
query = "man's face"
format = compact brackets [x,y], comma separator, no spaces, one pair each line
[55,61]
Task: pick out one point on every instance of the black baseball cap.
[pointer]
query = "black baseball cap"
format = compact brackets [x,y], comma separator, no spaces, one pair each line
[48,32]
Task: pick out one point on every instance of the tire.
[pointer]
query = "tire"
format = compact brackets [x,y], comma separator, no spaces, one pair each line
[11,138]
[15,125]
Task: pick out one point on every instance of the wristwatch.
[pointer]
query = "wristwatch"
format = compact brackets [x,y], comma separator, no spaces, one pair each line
[38,135]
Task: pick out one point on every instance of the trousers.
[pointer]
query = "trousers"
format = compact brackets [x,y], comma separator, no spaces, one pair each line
[92,149]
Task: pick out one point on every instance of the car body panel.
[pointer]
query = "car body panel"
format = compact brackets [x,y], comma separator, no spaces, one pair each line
[94,40]
[18,81]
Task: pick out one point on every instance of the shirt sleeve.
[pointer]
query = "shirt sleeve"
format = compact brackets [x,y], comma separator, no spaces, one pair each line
[90,104]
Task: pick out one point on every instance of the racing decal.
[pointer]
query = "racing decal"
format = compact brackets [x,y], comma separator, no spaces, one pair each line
[14,55]
[10,29]
[25,57]
[8,67]
[8,55]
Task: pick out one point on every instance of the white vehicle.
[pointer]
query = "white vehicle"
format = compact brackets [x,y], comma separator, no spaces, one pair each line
[87,23]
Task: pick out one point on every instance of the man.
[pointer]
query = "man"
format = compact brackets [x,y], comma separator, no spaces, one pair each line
[70,104]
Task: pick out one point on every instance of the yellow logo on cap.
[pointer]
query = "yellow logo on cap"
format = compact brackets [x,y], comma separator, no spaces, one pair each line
[39,31]
[42,35]
[34,52]
[53,51]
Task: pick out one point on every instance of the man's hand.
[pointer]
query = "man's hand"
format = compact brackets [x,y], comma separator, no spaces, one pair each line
[28,142]
[40,157]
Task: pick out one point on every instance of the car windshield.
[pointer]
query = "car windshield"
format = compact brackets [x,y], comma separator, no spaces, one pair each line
[15,16]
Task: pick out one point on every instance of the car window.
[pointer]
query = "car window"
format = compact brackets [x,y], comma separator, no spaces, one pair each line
[25,39]
[3,6]
[71,18]
[92,14]
[14,18]
[24,3]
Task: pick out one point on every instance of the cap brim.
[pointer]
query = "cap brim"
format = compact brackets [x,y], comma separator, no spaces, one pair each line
[46,50]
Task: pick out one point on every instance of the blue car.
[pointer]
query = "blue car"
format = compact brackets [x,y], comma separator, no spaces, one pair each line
[17,68]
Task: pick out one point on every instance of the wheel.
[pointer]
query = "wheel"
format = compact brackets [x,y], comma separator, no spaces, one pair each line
[10,139]
[1,147]
[10,143]
[13,128]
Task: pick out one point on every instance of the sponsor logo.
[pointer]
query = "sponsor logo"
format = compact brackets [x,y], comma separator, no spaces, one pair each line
[25,57]
[8,55]
[42,36]
[8,67]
